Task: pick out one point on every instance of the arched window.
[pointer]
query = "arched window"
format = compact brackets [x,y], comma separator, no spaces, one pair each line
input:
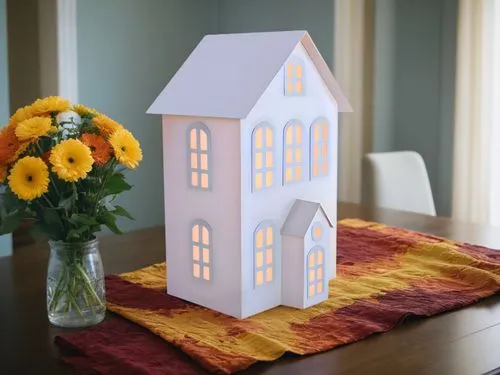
[264,245]
[293,152]
[262,156]
[315,271]
[199,146]
[201,246]
[294,77]
[319,148]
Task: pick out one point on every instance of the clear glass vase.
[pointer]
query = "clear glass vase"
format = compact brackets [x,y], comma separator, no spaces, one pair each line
[75,284]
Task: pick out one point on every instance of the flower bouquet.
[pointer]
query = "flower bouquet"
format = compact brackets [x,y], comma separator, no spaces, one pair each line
[61,167]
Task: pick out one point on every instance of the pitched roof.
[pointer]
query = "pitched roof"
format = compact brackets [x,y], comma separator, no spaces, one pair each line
[226,74]
[300,217]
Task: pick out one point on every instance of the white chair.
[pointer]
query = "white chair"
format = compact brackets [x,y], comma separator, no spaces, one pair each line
[397,180]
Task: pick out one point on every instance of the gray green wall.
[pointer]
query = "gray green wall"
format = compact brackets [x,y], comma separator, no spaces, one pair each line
[128,51]
[5,241]
[415,49]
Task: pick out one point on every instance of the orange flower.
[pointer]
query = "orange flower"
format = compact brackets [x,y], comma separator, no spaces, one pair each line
[9,144]
[101,151]
[106,125]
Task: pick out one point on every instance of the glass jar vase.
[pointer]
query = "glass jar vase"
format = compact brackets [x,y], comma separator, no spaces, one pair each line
[75,284]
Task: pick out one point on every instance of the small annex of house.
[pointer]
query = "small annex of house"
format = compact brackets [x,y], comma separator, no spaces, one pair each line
[250,134]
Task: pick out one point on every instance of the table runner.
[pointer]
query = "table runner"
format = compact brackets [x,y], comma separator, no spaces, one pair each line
[384,274]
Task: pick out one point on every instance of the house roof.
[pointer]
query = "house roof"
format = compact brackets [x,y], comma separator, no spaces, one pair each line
[300,217]
[226,74]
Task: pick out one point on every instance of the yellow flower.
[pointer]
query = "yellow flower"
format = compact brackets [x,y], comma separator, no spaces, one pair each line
[71,160]
[21,114]
[84,110]
[49,105]
[106,125]
[3,173]
[29,178]
[33,128]
[127,149]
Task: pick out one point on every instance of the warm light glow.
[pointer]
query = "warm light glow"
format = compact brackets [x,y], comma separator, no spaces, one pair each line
[258,138]
[320,273]
[258,180]
[206,273]
[269,236]
[196,253]
[311,259]
[324,132]
[195,233]
[194,161]
[320,257]
[315,169]
[259,278]
[324,150]
[269,178]
[203,140]
[298,135]
[269,159]
[298,71]
[196,270]
[206,255]
[324,167]
[298,155]
[317,234]
[204,180]
[298,173]
[204,235]
[289,70]
[194,178]
[269,274]
[259,259]
[298,87]
[316,133]
[192,142]
[259,239]
[269,256]
[320,288]
[288,157]
[288,174]
[311,290]
[311,276]
[269,137]
[289,135]
[258,160]
[204,162]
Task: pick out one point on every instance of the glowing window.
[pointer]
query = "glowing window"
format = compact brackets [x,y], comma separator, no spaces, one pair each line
[317,232]
[199,147]
[201,246]
[319,148]
[315,271]
[264,246]
[293,152]
[294,77]
[262,156]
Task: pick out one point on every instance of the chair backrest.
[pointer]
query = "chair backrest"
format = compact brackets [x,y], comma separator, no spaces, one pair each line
[397,180]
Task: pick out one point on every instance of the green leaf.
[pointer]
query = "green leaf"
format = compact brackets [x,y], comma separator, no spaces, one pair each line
[77,232]
[82,219]
[108,219]
[53,223]
[116,184]
[120,211]
[67,202]
[10,222]
[37,232]
[11,201]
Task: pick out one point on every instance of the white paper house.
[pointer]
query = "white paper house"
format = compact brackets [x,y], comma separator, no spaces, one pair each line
[250,169]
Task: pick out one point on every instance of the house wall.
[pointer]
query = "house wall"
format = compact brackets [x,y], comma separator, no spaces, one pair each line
[220,208]
[292,293]
[274,203]
[5,241]
[415,65]
[127,52]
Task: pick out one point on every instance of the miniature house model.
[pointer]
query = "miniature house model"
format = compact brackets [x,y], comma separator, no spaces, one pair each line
[250,171]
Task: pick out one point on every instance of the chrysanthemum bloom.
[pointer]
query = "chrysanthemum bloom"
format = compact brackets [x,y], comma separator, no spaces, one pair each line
[101,151]
[9,144]
[34,128]
[71,160]
[3,173]
[29,178]
[84,110]
[127,149]
[106,125]
[21,114]
[49,105]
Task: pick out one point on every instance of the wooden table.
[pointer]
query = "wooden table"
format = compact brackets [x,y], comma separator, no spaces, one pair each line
[464,342]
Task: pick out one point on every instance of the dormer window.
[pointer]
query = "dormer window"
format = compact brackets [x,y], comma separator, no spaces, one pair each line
[294,77]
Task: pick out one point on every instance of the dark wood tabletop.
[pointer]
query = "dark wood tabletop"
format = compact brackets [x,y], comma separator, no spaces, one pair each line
[465,341]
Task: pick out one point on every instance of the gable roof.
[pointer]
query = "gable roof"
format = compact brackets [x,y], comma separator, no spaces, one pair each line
[300,217]
[226,74]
